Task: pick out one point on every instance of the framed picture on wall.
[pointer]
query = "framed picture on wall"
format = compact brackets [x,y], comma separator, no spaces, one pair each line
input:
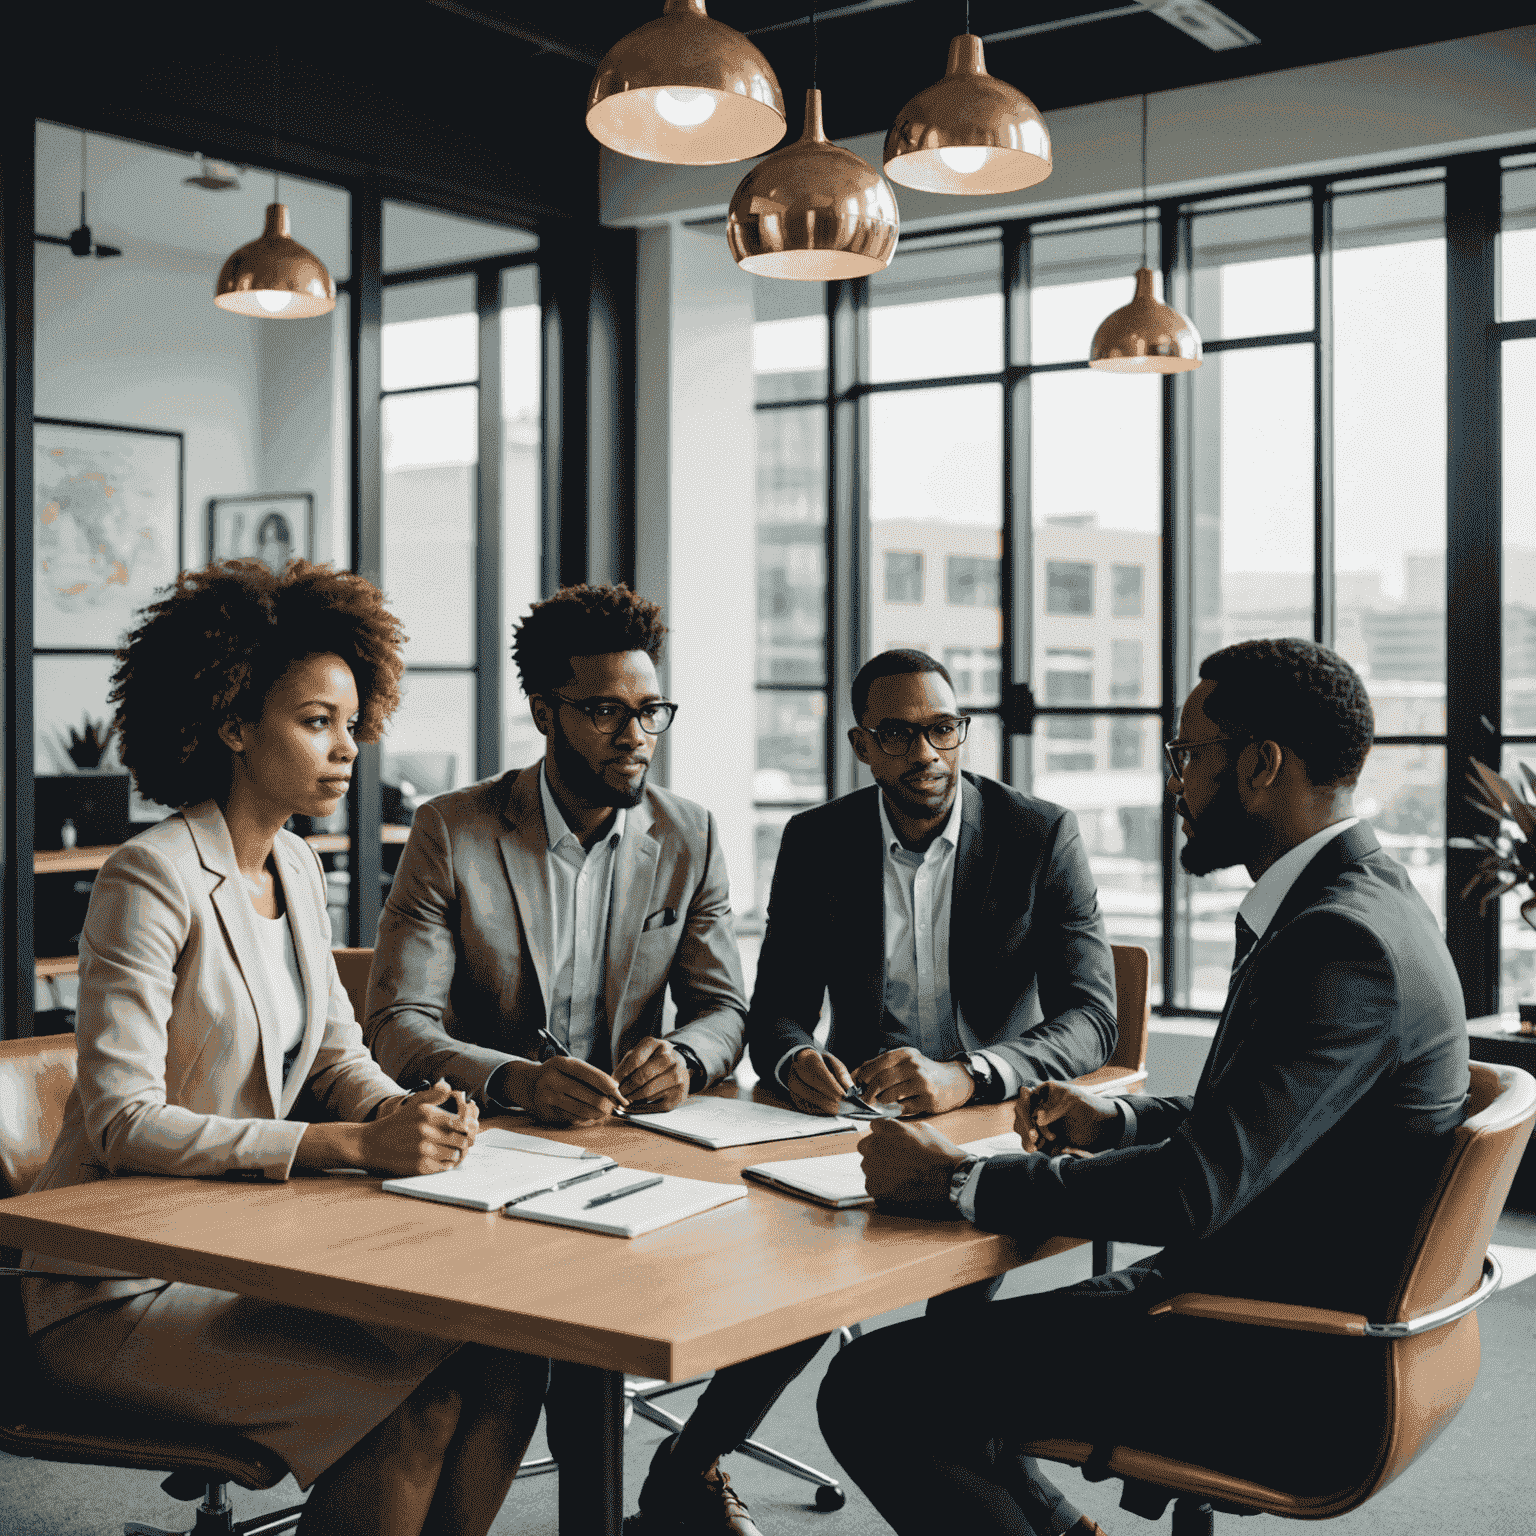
[107,528]
[272,529]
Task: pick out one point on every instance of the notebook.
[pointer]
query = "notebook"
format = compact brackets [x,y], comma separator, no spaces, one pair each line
[672,1199]
[716,1123]
[491,1174]
[839,1181]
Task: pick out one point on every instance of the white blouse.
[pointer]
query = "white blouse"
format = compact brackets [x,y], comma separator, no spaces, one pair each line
[282,963]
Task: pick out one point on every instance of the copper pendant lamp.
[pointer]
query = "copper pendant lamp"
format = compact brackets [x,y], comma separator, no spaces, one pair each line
[685,89]
[969,133]
[274,277]
[812,211]
[1146,336]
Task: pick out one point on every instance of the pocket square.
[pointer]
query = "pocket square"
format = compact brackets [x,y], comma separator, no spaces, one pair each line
[663,919]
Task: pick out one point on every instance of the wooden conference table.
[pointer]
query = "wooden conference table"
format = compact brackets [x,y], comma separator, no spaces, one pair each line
[706,1292]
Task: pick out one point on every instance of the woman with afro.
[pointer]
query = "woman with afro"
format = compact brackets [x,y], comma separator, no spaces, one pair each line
[208,1001]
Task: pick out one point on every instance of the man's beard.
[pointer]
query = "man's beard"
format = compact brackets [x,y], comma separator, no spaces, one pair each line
[585,782]
[919,810]
[1222,837]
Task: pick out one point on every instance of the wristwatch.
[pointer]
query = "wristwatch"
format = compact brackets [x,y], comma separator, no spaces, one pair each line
[697,1076]
[988,1080]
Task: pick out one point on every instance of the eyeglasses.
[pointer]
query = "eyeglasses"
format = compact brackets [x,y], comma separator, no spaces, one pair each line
[609,717]
[895,737]
[1179,753]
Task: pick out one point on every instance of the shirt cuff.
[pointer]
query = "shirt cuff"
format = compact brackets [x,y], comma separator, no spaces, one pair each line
[783,1065]
[1127,1125]
[966,1202]
[1007,1074]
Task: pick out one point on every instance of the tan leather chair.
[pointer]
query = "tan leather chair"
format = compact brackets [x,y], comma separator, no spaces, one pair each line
[1430,1326]
[41,1422]
[353,965]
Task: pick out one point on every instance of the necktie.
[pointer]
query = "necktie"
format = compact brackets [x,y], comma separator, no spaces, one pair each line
[1246,939]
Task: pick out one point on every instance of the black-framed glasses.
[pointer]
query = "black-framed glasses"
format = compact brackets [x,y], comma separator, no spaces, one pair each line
[895,737]
[1179,753]
[609,717]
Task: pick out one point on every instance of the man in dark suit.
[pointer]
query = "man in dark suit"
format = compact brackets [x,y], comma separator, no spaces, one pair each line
[956,925]
[1296,1172]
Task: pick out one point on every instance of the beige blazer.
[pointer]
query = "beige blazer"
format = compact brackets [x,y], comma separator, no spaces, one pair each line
[457,989]
[180,1068]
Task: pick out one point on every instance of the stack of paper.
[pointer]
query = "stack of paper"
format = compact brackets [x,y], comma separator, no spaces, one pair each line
[600,1204]
[716,1123]
[839,1181]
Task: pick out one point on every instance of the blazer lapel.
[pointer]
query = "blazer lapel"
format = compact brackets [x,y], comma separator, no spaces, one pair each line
[314,951]
[237,917]
[523,848]
[635,862]
[968,898]
[863,908]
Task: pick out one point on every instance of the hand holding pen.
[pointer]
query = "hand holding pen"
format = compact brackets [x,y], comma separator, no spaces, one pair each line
[571,1092]
[427,1131]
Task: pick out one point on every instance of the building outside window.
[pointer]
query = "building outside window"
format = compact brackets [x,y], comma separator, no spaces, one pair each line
[971,581]
[1125,591]
[903,576]
[1069,588]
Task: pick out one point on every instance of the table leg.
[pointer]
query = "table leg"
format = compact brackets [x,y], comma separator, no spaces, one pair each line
[592,1476]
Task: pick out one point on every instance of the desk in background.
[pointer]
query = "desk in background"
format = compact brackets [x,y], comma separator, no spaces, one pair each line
[735,1282]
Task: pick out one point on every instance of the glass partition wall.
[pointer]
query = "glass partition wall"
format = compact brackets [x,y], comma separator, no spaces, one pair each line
[938,467]
[400,435]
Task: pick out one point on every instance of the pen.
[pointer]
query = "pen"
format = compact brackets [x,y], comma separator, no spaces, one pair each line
[560,1050]
[460,1097]
[618,1194]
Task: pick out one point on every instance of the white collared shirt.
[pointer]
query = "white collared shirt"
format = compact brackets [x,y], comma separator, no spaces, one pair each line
[578,885]
[1258,911]
[918,895]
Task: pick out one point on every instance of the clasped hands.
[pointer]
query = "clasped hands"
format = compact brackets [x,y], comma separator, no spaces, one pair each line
[818,1081]
[650,1078]
[912,1165]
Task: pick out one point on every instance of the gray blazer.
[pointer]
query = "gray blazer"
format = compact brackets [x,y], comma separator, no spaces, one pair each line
[180,1068]
[456,989]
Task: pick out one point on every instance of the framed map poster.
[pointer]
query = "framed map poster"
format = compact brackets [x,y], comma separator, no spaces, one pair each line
[107,530]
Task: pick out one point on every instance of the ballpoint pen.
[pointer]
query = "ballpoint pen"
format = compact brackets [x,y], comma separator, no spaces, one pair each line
[618,1194]
[561,1184]
[559,1050]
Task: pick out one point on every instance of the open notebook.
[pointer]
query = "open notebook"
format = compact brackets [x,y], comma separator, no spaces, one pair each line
[839,1181]
[498,1168]
[716,1123]
[668,1199]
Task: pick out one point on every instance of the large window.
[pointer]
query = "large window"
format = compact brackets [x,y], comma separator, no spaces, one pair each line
[1072,544]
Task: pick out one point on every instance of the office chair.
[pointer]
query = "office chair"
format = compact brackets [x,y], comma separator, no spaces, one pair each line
[353,965]
[40,1421]
[1430,1327]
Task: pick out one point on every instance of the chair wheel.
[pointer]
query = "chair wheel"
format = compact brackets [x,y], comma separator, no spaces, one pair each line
[828,1499]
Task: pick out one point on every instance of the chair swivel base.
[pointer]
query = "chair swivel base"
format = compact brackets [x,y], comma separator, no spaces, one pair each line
[215,1514]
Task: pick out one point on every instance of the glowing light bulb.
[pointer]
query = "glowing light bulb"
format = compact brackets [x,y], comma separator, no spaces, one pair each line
[685,108]
[964,159]
[273,302]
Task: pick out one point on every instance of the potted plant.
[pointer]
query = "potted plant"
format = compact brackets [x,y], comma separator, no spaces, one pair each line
[1509,850]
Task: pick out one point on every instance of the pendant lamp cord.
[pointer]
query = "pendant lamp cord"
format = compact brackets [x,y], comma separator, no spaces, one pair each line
[277,89]
[82,179]
[815,51]
[1143,178]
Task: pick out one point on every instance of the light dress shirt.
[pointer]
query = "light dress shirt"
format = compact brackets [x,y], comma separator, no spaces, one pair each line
[1258,910]
[918,893]
[281,962]
[578,887]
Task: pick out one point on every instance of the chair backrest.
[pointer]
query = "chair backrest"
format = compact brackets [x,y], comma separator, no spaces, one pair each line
[1446,1262]
[35,1080]
[1133,1013]
[353,965]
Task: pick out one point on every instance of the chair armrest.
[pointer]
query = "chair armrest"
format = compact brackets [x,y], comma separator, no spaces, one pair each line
[1279,1314]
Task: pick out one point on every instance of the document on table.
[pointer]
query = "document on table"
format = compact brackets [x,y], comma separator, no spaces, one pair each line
[716,1123]
[600,1204]
[516,1141]
[490,1175]
[839,1181]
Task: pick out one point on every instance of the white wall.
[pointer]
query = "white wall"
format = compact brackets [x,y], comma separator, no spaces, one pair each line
[1473,92]
[696,517]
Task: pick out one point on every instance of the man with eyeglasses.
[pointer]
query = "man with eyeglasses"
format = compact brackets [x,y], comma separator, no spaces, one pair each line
[956,925]
[558,903]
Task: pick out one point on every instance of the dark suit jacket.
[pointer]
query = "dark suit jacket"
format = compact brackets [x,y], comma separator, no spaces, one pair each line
[1297,1170]
[456,988]
[1029,963]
